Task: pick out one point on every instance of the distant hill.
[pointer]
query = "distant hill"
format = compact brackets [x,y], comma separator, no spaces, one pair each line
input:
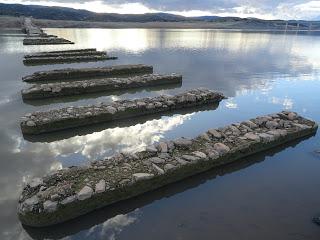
[83,16]
[61,13]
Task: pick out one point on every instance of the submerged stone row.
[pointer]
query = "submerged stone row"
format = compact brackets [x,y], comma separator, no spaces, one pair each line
[75,73]
[66,59]
[75,191]
[71,117]
[50,90]
[80,52]
[46,41]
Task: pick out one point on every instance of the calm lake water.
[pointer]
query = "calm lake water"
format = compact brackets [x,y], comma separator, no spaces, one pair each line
[273,195]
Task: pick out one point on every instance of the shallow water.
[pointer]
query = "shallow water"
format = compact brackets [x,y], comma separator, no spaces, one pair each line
[273,195]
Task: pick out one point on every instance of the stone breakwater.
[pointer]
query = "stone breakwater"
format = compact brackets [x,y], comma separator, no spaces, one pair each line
[46,41]
[75,191]
[71,117]
[51,90]
[80,52]
[66,59]
[76,73]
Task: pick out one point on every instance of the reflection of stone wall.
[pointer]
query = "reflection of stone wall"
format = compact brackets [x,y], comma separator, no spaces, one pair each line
[72,192]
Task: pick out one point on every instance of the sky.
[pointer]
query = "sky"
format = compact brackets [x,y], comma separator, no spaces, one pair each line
[265,9]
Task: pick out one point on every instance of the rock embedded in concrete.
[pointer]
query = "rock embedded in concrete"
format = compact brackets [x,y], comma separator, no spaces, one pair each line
[60,89]
[129,175]
[61,75]
[59,119]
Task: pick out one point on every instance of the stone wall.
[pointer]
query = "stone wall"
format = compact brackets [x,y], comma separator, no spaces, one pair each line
[75,191]
[51,90]
[71,117]
[75,73]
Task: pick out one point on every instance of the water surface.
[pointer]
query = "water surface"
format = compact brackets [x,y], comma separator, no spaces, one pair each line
[273,195]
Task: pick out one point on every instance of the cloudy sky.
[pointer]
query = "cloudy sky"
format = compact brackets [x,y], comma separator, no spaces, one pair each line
[267,9]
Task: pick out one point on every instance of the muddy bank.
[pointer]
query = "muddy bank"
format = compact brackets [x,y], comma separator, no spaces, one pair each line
[77,73]
[75,191]
[51,90]
[72,117]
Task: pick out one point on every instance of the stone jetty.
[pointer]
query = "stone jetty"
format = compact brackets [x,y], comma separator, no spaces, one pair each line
[46,41]
[75,191]
[71,88]
[62,75]
[67,59]
[72,117]
[67,53]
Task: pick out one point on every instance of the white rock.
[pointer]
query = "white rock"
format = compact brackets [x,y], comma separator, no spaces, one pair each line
[199,154]
[266,137]
[169,167]
[68,200]
[111,110]
[250,124]
[272,124]
[85,193]
[182,142]
[31,124]
[158,169]
[151,149]
[142,176]
[221,148]
[215,133]
[292,116]
[100,186]
[163,147]
[213,154]
[29,203]
[35,182]
[252,136]
[50,206]
[156,160]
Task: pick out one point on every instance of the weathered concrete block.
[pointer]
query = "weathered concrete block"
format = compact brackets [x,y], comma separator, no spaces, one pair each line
[51,90]
[147,170]
[75,73]
[58,119]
